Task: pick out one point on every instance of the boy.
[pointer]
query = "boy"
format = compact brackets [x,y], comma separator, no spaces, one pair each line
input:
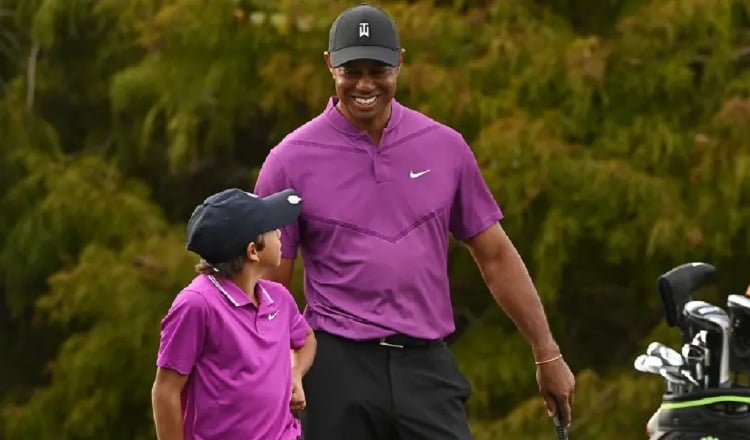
[224,370]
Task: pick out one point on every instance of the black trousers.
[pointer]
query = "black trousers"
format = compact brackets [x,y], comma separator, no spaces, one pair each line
[366,391]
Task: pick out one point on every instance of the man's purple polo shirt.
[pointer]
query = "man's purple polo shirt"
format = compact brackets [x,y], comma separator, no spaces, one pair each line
[237,357]
[375,221]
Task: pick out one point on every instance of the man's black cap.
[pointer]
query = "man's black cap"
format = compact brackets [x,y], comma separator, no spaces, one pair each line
[223,225]
[364,32]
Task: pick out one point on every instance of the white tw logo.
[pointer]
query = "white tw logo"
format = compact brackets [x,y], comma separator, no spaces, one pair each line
[364,30]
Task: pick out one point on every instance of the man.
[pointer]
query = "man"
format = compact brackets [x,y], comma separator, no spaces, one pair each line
[224,368]
[384,186]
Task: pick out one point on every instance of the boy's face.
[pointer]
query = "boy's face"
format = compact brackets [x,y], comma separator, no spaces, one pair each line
[270,256]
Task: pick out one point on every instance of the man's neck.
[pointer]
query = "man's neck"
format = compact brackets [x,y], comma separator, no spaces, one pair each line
[373,127]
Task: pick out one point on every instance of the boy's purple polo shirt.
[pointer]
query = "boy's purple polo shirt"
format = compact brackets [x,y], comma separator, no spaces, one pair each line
[237,357]
[375,221]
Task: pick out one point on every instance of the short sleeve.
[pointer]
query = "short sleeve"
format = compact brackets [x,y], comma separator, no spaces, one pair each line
[298,326]
[474,209]
[272,178]
[183,332]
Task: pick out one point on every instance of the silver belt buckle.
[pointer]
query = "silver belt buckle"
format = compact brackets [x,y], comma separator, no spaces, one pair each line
[387,344]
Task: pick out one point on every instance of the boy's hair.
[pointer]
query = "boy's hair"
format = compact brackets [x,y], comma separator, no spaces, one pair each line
[228,269]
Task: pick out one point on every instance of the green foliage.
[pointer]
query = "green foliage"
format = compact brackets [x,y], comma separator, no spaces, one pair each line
[91,392]
[58,208]
[616,136]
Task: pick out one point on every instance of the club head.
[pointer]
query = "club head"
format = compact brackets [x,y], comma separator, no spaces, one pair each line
[739,312]
[693,351]
[700,339]
[640,363]
[667,354]
[689,376]
[705,316]
[739,302]
[739,315]
[653,364]
[675,381]
[695,362]
[676,287]
[672,374]
[648,364]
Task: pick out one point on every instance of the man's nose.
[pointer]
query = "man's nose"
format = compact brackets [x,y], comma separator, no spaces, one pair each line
[365,82]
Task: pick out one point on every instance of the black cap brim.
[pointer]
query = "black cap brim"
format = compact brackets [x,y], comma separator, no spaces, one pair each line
[377,53]
[282,208]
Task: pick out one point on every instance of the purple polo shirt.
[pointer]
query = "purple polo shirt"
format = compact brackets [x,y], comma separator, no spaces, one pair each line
[375,221]
[237,358]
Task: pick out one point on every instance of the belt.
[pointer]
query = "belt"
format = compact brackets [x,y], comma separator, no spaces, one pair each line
[405,341]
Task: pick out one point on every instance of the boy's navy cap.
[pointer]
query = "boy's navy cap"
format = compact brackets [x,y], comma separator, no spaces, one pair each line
[364,32]
[223,225]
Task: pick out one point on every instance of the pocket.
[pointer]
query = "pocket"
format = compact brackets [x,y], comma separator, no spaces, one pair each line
[456,374]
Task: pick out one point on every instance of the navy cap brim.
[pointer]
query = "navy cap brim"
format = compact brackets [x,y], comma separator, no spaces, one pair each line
[282,209]
[385,55]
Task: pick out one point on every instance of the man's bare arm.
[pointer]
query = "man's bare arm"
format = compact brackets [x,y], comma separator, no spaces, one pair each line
[167,407]
[509,282]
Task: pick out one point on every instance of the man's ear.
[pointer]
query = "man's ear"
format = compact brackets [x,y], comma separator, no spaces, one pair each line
[327,57]
[251,252]
[400,60]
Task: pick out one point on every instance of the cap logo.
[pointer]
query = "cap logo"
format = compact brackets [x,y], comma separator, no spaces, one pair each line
[364,30]
[293,200]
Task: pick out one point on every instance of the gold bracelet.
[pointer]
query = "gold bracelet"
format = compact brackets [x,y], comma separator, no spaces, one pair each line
[559,356]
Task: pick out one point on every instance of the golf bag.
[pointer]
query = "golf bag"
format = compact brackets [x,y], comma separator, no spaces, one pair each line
[707,414]
[704,400]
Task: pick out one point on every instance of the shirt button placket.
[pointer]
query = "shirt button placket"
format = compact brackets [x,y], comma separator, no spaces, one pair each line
[260,321]
[377,169]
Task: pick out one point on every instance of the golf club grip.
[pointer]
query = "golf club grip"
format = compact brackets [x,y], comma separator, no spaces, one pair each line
[562,431]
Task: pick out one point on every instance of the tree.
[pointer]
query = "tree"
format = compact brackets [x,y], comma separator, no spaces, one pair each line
[617,145]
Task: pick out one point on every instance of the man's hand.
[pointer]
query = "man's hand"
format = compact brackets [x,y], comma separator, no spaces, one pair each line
[297,402]
[556,385]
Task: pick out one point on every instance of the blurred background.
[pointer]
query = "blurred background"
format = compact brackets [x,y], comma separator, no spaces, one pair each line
[615,135]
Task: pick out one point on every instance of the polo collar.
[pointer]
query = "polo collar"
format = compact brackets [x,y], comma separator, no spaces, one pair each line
[335,118]
[236,296]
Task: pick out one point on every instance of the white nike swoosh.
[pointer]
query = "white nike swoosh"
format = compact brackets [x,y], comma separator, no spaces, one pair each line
[414,175]
[273,315]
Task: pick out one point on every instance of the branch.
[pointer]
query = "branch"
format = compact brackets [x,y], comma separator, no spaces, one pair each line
[31,76]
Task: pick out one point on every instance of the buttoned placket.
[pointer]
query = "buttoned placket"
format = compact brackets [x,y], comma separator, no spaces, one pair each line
[379,169]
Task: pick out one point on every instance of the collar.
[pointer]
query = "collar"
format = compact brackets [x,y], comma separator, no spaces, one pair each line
[335,118]
[236,296]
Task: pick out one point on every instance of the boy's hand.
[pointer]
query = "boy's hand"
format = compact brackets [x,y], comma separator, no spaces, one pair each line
[297,402]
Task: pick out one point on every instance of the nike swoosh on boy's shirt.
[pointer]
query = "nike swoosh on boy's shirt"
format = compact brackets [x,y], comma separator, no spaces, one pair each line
[414,175]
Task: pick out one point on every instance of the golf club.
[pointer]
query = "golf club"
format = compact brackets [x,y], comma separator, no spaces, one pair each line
[668,354]
[713,319]
[739,315]
[676,287]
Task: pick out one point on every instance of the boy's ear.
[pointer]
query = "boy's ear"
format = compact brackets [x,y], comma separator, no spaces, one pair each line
[251,252]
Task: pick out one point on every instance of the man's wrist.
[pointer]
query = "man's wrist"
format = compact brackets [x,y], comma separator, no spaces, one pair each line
[546,350]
